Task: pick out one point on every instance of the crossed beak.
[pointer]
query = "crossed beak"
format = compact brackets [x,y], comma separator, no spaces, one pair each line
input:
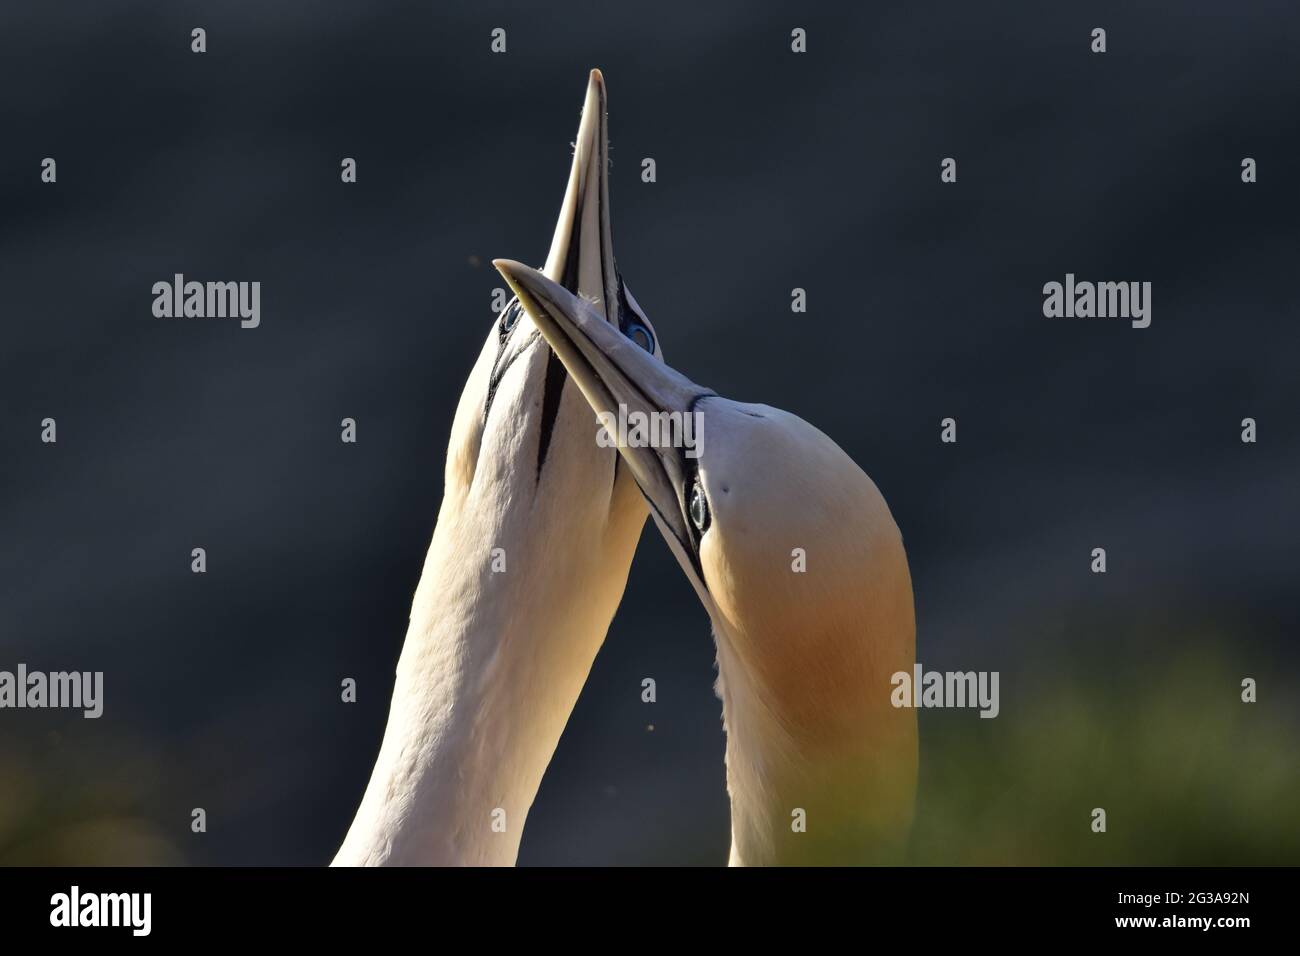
[613,371]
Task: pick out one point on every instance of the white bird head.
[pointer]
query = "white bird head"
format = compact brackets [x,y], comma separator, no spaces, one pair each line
[528,563]
[525,475]
[515,434]
[523,471]
[795,555]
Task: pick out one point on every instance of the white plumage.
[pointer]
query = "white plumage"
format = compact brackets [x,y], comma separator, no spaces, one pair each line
[493,661]
[821,767]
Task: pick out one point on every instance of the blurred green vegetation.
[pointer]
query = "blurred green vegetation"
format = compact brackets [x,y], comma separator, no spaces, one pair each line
[66,804]
[1187,773]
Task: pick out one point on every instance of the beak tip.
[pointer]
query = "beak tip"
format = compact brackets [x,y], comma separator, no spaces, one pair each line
[510,271]
[527,282]
[596,94]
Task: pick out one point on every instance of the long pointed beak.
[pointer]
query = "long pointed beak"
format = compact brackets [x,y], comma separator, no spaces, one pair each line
[613,371]
[582,248]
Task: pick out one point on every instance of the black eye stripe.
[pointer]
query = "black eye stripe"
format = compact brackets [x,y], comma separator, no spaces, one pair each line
[698,507]
[552,389]
[509,318]
[502,364]
[631,320]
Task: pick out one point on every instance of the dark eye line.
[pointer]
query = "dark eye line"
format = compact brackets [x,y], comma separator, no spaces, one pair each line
[552,388]
[502,364]
[696,497]
[691,481]
[509,318]
[631,321]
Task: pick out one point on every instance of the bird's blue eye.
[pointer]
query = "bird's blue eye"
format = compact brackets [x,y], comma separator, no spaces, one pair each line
[642,336]
[510,317]
[699,508]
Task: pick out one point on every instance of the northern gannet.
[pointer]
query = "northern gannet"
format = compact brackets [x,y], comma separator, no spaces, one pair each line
[821,767]
[528,563]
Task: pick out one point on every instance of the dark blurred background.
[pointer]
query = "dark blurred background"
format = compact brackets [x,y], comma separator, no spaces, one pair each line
[775,170]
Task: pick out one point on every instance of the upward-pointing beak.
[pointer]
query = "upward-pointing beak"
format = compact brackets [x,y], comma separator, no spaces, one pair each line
[582,248]
[613,371]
